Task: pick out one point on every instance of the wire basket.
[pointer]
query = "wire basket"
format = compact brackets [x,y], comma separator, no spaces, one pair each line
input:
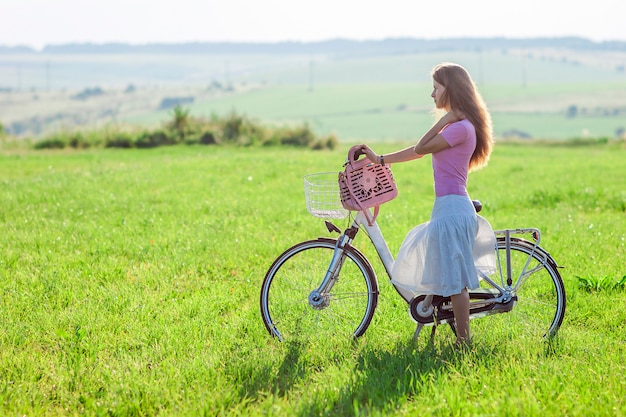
[321,191]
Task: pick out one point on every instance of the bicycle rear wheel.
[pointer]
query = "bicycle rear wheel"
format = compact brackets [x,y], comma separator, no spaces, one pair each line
[346,309]
[537,283]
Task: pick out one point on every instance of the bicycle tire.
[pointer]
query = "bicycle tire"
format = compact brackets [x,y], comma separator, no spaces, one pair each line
[541,299]
[284,299]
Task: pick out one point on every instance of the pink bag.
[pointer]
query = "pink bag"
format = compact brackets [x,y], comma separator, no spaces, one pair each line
[364,184]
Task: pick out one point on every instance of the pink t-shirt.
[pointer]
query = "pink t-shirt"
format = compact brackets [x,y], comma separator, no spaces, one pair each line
[450,166]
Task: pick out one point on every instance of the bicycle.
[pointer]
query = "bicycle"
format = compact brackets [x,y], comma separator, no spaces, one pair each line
[326,286]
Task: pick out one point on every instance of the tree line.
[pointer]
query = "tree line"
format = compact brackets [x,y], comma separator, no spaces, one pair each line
[182,128]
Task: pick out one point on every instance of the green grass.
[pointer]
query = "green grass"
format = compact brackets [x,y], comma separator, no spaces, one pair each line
[129,283]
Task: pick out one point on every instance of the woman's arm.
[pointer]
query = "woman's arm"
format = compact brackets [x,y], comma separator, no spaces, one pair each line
[431,142]
[432,145]
[406,154]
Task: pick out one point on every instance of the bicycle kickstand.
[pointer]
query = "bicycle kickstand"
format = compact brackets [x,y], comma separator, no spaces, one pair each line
[419,329]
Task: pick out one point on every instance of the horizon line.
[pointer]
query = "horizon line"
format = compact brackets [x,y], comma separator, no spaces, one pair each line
[303,42]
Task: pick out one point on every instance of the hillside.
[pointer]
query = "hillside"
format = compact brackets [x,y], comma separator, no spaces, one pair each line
[556,88]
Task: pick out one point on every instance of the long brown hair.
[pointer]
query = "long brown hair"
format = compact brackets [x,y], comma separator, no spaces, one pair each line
[461,94]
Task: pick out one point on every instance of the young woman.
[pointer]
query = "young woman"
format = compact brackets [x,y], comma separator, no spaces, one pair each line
[437,257]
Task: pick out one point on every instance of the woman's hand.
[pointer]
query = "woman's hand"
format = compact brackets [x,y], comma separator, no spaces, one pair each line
[370,154]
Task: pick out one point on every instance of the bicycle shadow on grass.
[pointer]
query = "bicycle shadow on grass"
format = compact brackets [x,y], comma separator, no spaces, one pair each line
[384,378]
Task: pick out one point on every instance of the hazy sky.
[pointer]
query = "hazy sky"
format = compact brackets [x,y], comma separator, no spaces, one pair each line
[44,22]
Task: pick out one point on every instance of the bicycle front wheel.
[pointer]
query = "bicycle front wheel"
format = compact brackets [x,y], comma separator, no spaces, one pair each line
[291,307]
[537,284]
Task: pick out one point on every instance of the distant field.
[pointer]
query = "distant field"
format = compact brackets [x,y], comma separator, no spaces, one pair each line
[379,98]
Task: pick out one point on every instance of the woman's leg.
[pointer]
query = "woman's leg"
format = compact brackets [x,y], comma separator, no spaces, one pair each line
[461,307]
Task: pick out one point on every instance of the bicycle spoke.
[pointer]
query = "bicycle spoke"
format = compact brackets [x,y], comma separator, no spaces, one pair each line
[343,296]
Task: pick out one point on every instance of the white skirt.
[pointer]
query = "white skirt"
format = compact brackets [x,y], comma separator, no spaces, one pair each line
[443,255]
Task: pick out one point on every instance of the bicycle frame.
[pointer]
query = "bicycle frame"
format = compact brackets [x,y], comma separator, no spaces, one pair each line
[516,259]
[380,244]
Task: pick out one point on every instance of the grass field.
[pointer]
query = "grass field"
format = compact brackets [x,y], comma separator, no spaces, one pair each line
[129,285]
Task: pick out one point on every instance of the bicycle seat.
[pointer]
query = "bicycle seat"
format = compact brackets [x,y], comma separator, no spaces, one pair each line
[477,205]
